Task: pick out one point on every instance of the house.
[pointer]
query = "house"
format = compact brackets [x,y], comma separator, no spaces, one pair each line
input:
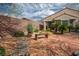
[66,15]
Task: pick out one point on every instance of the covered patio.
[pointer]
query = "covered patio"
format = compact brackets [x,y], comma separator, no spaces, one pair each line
[66,16]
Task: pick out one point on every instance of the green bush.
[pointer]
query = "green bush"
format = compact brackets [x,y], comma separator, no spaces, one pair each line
[59,27]
[56,25]
[76,53]
[48,29]
[62,28]
[2,51]
[19,34]
[70,27]
[36,30]
[30,28]
[77,26]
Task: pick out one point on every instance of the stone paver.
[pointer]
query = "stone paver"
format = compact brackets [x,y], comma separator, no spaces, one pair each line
[21,47]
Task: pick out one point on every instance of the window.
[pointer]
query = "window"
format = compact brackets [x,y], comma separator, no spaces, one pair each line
[72,20]
[65,22]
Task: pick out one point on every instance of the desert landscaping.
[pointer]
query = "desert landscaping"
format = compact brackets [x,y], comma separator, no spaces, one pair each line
[54,35]
[54,45]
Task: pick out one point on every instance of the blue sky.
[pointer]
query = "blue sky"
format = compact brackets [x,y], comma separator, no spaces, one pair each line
[33,11]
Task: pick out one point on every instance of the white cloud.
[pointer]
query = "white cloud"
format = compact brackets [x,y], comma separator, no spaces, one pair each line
[36,10]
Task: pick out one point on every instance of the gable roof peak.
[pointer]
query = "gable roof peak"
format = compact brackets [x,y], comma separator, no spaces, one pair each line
[70,9]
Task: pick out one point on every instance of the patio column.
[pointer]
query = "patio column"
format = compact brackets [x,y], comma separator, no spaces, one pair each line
[44,25]
[75,22]
[68,22]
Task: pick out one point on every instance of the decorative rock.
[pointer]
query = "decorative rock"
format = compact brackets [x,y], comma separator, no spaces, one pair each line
[64,46]
[25,33]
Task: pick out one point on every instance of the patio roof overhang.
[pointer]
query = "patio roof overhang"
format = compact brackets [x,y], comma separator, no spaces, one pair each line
[69,12]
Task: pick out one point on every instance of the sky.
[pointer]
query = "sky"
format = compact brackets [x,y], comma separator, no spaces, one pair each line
[34,11]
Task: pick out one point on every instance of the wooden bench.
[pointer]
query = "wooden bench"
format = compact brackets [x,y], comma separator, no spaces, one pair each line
[36,36]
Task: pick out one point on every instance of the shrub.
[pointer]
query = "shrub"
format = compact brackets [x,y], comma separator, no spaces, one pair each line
[56,25]
[77,26]
[19,34]
[70,27]
[76,53]
[62,28]
[2,51]
[30,28]
[36,30]
[48,29]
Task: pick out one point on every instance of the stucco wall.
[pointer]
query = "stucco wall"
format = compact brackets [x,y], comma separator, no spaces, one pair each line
[65,17]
